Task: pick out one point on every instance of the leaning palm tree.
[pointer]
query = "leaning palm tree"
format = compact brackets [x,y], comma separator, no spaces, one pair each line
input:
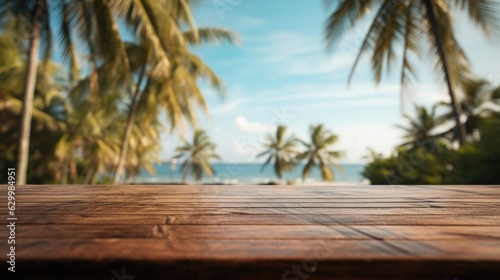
[318,153]
[197,156]
[176,89]
[423,127]
[409,23]
[281,150]
[478,102]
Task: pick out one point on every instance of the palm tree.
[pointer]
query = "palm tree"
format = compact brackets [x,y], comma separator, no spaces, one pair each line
[281,150]
[318,153]
[412,22]
[423,127]
[477,103]
[176,91]
[94,24]
[197,156]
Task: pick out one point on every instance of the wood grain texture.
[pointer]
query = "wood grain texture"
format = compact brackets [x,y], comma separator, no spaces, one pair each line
[256,232]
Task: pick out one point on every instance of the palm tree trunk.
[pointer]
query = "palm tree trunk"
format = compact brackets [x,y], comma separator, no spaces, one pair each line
[64,178]
[436,29]
[29,92]
[128,129]
[88,176]
[95,176]
[74,170]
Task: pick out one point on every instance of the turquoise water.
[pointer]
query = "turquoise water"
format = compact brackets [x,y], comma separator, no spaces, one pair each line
[250,173]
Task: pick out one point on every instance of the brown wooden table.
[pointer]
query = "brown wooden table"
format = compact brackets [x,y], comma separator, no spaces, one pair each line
[255,232]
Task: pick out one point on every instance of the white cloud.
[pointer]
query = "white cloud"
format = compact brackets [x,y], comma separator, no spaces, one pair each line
[240,150]
[298,54]
[228,106]
[244,21]
[295,54]
[280,46]
[318,63]
[315,92]
[252,127]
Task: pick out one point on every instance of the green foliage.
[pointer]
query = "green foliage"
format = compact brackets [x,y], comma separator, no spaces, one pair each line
[421,160]
[408,166]
[436,163]
[479,163]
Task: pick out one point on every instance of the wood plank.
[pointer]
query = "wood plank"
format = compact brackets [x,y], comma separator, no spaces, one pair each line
[99,210]
[259,190]
[259,204]
[299,232]
[155,219]
[233,250]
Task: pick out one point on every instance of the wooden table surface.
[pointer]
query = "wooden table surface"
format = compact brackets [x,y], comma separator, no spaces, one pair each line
[255,232]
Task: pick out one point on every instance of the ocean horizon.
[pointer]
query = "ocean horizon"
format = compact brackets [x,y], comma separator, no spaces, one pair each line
[251,173]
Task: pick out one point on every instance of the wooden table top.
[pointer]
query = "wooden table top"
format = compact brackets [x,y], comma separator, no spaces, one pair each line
[255,232]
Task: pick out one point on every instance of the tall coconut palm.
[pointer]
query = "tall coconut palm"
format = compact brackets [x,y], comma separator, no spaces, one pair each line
[409,23]
[49,106]
[281,150]
[423,127]
[318,153]
[477,103]
[197,156]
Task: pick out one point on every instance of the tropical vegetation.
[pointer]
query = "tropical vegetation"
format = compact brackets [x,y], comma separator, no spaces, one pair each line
[87,86]
[429,156]
[94,114]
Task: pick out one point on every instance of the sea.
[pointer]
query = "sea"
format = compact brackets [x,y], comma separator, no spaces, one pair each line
[251,173]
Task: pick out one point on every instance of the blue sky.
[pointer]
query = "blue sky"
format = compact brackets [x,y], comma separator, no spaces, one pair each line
[283,74]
